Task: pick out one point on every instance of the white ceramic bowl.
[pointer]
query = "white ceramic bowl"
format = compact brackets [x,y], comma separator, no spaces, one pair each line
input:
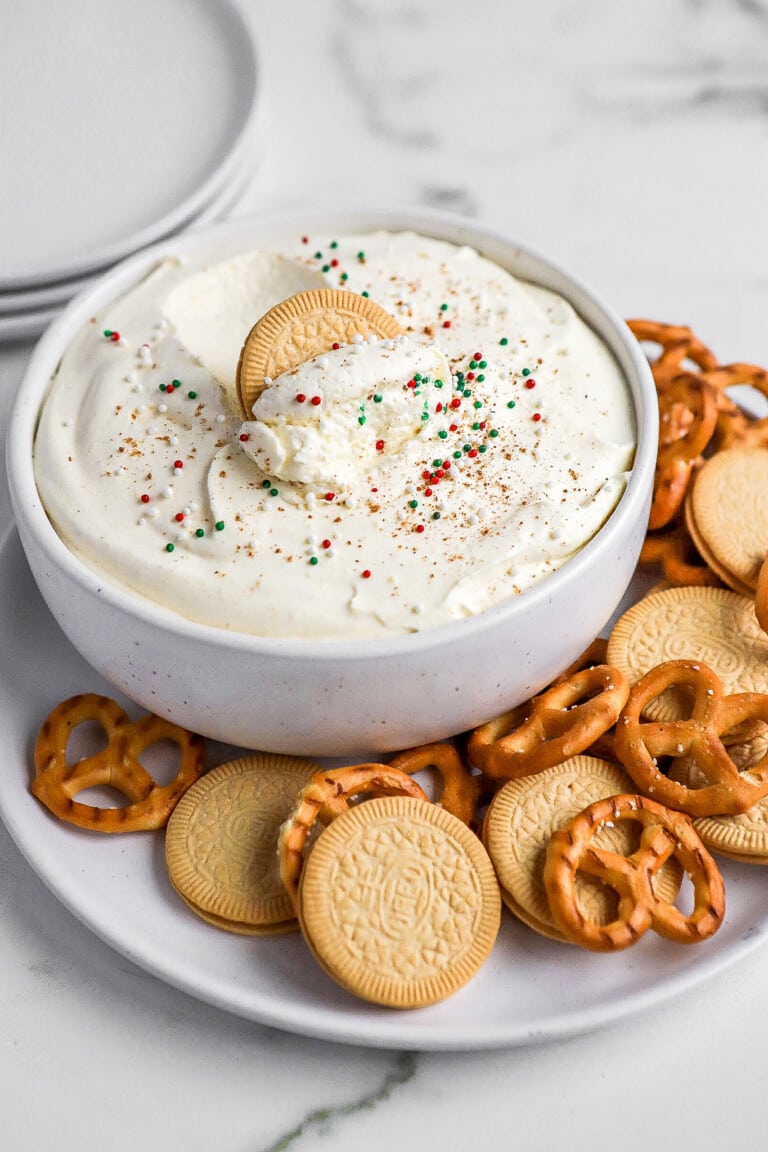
[328,698]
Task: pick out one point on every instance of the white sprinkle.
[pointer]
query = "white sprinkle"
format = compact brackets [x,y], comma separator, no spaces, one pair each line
[181,535]
[482,513]
[330,552]
[312,540]
[311,499]
[167,491]
[357,338]
[138,388]
[187,510]
[140,521]
[220,418]
[253,544]
[174,441]
[472,519]
[152,430]
[162,407]
[373,338]
[357,349]
[680,748]
[145,354]
[323,362]
[267,379]
[177,471]
[152,512]
[193,505]
[417,609]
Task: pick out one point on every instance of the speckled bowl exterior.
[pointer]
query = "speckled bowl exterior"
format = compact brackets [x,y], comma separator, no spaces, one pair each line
[334,698]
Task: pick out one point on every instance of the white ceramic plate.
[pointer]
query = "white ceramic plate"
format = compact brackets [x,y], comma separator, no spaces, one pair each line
[139,114]
[24,322]
[530,989]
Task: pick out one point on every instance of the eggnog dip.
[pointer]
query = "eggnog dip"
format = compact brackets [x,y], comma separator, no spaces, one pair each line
[381,488]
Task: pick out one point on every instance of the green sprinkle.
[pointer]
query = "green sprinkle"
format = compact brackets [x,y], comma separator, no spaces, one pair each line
[344,277]
[364,294]
[219,525]
[467,393]
[443,307]
[526,371]
[377,399]
[325,268]
[435,515]
[361,420]
[199,532]
[266,483]
[510,404]
[494,433]
[503,341]
[413,503]
[162,387]
[436,463]
[107,332]
[473,363]
[467,447]
[176,383]
[443,435]
[438,383]
[272,492]
[334,243]
[480,378]
[192,395]
[417,376]
[459,375]
[483,364]
[313,560]
[425,379]
[457,455]
[475,427]
[477,404]
[318,255]
[361,255]
[425,415]
[169,547]
[482,448]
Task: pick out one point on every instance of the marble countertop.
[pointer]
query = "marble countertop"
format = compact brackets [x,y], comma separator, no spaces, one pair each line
[628,141]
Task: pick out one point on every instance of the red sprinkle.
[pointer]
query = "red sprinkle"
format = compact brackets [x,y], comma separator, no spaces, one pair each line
[439,406]
[470,375]
[179,517]
[419,527]
[178,463]
[305,239]
[330,495]
[334,263]
[439,474]
[145,499]
[446,323]
[411,384]
[316,400]
[530,383]
[326,543]
[446,464]
[374,489]
[477,356]
[115,337]
[244,436]
[537,416]
[379,445]
[427,491]
[335,346]
[426,475]
[300,397]
[472,452]
[366,574]
[453,427]
[455,403]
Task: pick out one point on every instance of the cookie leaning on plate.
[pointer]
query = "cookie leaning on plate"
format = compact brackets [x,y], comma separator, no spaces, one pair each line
[523,816]
[221,843]
[399,903]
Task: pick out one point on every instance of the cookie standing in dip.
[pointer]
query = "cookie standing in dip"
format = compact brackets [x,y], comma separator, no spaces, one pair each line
[418,481]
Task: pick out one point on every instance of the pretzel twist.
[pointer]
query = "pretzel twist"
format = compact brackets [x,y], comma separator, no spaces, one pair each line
[326,796]
[679,346]
[552,727]
[57,782]
[665,834]
[676,555]
[460,786]
[640,744]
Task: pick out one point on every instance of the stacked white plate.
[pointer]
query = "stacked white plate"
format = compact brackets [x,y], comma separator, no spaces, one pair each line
[123,123]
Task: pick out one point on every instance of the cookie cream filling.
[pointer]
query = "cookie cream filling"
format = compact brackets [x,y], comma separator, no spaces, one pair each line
[384,487]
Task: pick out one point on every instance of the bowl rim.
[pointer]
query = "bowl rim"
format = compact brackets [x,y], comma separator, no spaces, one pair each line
[231,235]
